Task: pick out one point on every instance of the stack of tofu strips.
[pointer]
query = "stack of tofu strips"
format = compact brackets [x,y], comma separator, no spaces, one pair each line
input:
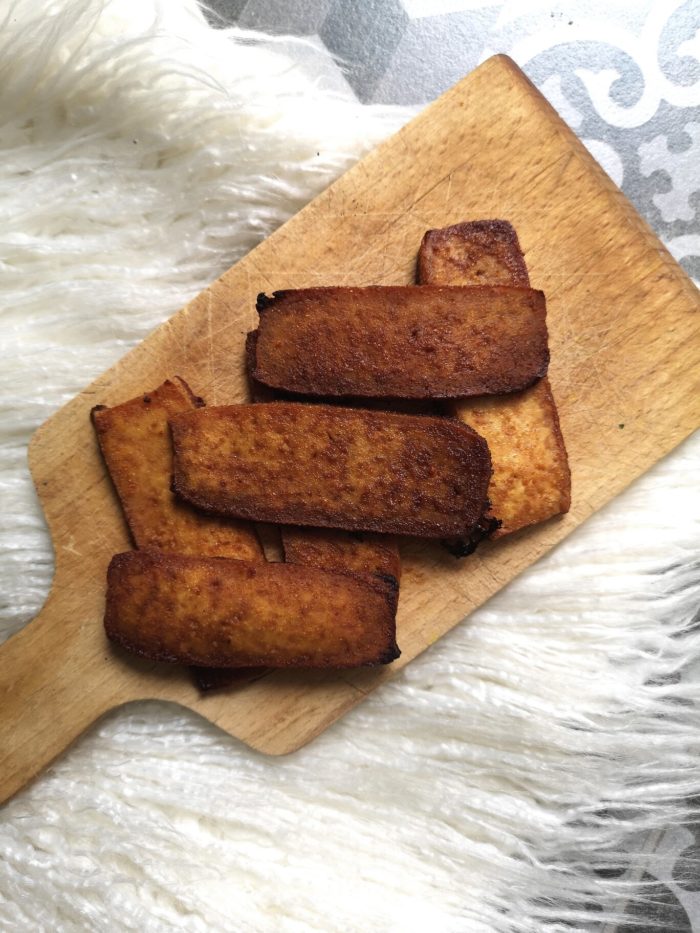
[380,411]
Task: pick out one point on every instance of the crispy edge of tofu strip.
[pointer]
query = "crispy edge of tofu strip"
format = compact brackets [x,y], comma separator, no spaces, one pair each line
[348,341]
[531,479]
[478,252]
[262,393]
[136,446]
[258,392]
[373,558]
[333,467]
[221,613]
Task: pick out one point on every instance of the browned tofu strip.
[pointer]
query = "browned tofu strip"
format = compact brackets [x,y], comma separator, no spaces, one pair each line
[135,441]
[482,252]
[531,480]
[263,393]
[226,613]
[329,549]
[401,341]
[258,391]
[374,558]
[332,467]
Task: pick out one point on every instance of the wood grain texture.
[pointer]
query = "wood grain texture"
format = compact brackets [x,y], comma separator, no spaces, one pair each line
[623,326]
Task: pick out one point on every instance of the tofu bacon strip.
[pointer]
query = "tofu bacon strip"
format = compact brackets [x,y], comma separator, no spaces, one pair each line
[134,438]
[401,341]
[531,480]
[373,558]
[332,467]
[479,252]
[220,613]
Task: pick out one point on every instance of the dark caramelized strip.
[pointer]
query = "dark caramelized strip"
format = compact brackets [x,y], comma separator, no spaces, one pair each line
[258,391]
[224,613]
[332,467]
[531,480]
[333,550]
[135,441]
[263,393]
[401,341]
[374,558]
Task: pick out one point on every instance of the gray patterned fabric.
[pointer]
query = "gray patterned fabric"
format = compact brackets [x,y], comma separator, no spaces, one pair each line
[626,77]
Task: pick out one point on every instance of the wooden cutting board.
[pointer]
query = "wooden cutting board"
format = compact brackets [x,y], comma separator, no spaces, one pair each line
[625,368]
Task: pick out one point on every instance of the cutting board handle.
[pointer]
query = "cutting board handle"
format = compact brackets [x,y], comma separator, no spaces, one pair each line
[44,703]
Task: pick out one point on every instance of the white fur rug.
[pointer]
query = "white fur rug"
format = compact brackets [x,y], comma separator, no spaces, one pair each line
[484,789]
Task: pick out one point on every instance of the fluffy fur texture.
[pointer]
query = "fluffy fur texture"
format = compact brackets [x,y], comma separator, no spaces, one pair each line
[482,790]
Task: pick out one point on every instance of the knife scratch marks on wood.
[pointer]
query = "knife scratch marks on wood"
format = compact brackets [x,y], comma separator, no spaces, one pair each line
[440,181]
[568,158]
[448,190]
[260,275]
[534,179]
[363,692]
[69,546]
